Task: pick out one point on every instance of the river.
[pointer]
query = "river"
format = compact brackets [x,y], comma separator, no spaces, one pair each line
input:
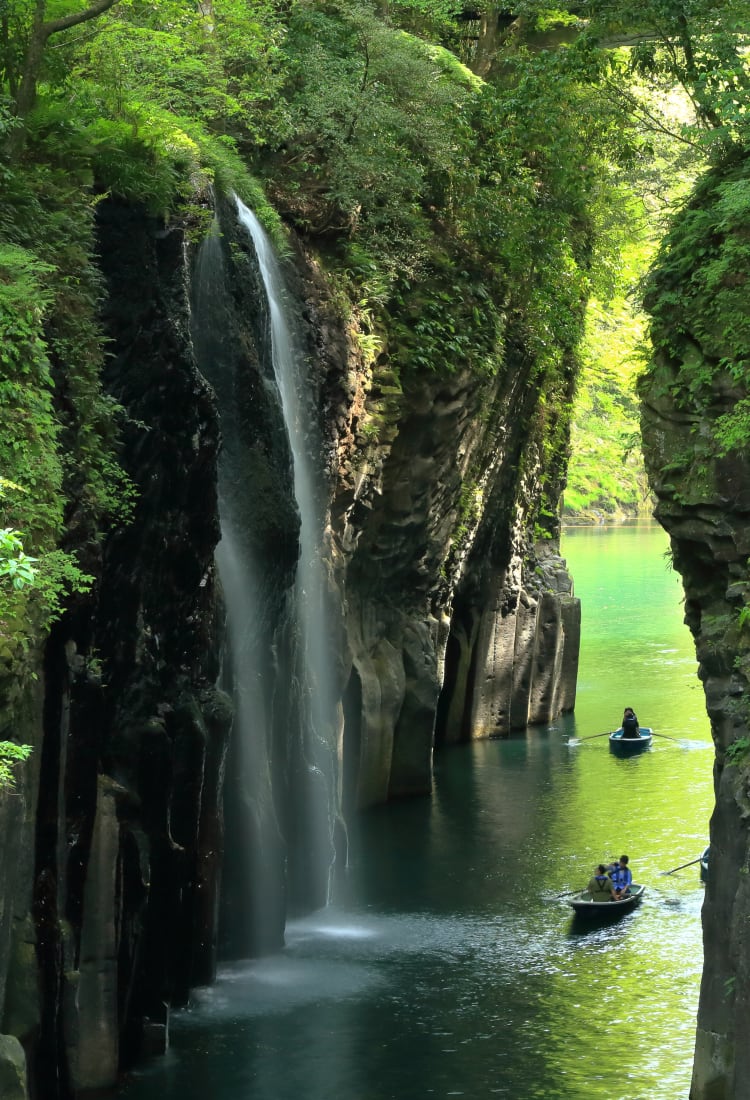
[450,965]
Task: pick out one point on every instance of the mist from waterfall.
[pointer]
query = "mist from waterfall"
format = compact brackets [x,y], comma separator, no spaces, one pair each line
[315,784]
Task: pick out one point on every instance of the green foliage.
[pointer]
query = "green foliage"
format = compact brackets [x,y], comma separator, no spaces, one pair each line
[732,429]
[142,105]
[543,152]
[10,756]
[15,564]
[57,446]
[699,46]
[469,509]
[738,751]
[605,471]
[447,321]
[371,112]
[28,454]
[452,211]
[452,203]
[700,275]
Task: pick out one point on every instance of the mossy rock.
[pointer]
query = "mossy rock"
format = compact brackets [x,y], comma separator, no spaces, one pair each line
[12,1069]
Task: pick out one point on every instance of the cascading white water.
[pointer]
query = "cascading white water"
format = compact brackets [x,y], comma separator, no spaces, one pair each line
[313,651]
[281,800]
[253,883]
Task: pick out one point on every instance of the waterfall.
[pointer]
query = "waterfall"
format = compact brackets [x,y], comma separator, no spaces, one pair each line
[253,879]
[281,775]
[313,664]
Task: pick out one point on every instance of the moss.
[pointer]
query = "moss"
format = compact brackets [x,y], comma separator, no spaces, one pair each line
[697,298]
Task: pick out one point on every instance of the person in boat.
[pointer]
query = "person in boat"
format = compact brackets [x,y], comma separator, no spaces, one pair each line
[621,879]
[630,723]
[600,885]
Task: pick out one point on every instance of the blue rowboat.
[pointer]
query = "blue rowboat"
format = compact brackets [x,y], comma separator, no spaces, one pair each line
[625,746]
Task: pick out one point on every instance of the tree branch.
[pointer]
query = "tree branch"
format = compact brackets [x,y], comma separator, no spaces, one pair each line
[73,20]
[41,31]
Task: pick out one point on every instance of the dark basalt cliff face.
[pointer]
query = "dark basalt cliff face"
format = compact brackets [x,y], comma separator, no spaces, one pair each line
[704,503]
[447,618]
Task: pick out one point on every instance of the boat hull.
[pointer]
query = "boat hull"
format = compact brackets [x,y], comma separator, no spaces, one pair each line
[627,746]
[583,906]
[704,866]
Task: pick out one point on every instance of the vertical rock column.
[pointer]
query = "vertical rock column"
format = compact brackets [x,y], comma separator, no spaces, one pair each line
[19,986]
[92,1020]
[698,382]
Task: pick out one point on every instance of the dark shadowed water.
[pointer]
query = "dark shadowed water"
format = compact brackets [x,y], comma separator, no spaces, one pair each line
[449,966]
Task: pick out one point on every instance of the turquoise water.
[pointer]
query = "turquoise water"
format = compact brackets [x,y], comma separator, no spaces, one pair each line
[449,965]
[635,648]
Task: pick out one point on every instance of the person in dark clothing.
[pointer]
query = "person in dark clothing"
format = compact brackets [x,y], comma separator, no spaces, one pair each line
[630,723]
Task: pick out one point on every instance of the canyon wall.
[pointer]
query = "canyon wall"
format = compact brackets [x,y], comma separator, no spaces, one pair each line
[449,615]
[694,422]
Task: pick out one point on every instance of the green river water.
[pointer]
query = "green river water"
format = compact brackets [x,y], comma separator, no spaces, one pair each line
[449,965]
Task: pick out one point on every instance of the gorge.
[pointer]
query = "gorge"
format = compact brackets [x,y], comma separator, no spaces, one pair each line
[291,509]
[161,724]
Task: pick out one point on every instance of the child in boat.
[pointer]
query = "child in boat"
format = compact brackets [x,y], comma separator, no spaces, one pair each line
[622,878]
[600,885]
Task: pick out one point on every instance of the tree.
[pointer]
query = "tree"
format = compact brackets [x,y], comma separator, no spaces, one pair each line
[35,32]
[698,45]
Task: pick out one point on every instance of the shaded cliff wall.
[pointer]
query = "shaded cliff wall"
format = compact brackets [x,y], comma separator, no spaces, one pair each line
[458,614]
[450,616]
[695,433]
[437,643]
[19,999]
[108,902]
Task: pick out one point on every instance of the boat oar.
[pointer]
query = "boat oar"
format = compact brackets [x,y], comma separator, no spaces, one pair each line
[677,740]
[574,740]
[690,864]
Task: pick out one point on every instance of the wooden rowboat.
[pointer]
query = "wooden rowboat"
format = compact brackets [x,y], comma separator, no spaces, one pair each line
[606,910]
[624,746]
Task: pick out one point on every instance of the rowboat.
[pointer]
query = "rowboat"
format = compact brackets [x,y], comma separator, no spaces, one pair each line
[704,865]
[606,910]
[624,746]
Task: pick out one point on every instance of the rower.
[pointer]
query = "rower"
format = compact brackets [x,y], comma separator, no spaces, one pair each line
[622,878]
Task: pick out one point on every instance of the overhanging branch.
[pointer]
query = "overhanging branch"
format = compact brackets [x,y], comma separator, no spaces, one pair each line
[53,26]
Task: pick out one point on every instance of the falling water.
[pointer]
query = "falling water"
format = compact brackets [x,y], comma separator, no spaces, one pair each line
[316,782]
[253,887]
[281,780]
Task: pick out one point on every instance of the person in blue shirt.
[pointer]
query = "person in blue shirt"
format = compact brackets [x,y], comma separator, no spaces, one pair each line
[622,878]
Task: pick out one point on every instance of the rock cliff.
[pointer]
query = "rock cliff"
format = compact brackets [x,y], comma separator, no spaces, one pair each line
[695,437]
[449,615]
